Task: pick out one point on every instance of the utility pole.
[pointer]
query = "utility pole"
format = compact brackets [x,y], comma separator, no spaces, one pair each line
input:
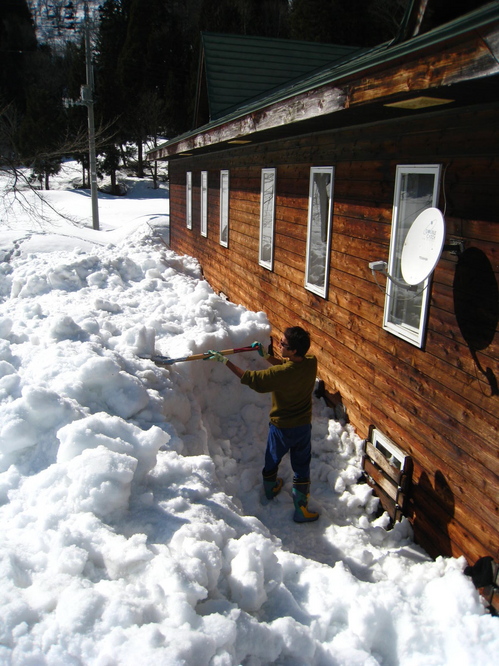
[87,98]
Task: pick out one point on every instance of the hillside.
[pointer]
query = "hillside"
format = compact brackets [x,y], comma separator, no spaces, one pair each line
[57,21]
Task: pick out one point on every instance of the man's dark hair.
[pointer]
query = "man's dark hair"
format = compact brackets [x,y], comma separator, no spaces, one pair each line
[298,339]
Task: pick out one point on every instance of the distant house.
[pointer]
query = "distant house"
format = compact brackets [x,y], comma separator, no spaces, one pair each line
[293,193]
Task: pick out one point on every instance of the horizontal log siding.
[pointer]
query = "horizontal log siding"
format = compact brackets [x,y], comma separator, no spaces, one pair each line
[433,402]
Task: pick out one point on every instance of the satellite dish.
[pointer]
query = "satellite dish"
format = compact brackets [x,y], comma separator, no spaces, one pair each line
[422,246]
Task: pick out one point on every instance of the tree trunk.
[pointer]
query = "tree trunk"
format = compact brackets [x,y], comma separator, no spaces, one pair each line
[140,160]
[155,168]
[114,188]
[124,159]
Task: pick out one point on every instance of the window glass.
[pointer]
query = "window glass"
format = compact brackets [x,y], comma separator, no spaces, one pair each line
[267,212]
[188,200]
[395,456]
[320,210]
[204,203]
[416,188]
[224,208]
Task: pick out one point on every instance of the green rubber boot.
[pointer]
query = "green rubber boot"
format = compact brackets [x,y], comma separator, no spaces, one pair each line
[300,498]
[271,484]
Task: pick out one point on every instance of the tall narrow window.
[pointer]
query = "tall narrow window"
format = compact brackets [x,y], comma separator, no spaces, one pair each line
[188,200]
[204,203]
[320,211]
[224,208]
[416,188]
[267,212]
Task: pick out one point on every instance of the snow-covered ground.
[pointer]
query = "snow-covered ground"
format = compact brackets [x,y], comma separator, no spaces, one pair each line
[133,525]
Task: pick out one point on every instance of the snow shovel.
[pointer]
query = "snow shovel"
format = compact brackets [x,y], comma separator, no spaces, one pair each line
[165,360]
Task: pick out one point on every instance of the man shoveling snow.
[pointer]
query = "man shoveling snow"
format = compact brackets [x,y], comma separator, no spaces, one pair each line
[291,382]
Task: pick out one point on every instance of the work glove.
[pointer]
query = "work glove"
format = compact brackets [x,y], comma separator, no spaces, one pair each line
[216,356]
[259,347]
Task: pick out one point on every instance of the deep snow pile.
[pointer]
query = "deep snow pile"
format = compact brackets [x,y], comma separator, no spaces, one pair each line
[133,526]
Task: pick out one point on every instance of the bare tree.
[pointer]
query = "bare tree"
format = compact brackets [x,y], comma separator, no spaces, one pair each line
[18,172]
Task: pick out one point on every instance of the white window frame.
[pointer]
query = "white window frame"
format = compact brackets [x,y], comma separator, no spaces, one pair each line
[267,218]
[188,199]
[414,333]
[204,203]
[395,456]
[313,211]
[224,207]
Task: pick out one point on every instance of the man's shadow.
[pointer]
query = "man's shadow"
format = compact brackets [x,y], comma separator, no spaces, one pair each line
[432,511]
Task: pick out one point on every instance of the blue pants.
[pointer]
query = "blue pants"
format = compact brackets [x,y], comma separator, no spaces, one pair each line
[295,440]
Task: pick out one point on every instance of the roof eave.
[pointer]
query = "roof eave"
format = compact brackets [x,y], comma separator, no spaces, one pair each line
[327,92]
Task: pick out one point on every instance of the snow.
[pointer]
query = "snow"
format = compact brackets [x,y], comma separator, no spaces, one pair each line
[134,529]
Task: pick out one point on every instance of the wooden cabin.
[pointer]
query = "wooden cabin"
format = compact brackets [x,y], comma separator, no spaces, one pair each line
[297,202]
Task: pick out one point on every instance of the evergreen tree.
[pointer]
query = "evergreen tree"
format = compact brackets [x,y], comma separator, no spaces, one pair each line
[312,20]
[17,41]
[167,72]
[42,127]
[131,71]
[110,163]
[356,23]
[143,68]
[268,18]
[223,16]
[112,34]
[73,72]
[108,91]
[17,45]
[74,68]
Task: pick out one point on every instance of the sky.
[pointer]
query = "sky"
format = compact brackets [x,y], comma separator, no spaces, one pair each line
[134,524]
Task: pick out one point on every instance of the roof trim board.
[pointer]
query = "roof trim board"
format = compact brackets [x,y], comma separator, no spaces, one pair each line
[469,46]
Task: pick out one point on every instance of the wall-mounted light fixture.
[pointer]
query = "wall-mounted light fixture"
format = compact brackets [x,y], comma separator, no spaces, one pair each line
[421,102]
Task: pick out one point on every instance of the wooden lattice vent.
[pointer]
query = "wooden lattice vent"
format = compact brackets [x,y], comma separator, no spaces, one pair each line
[388,470]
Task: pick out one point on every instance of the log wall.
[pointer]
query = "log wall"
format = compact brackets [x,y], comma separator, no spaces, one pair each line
[440,404]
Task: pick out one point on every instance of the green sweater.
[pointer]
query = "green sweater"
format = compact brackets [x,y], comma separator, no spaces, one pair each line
[291,385]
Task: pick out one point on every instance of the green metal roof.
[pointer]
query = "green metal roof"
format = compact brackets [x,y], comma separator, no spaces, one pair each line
[355,65]
[241,67]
